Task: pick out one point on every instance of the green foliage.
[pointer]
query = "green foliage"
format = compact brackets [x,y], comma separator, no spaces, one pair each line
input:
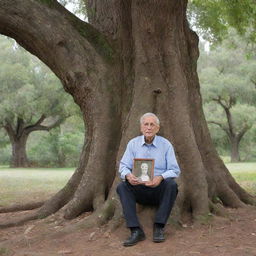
[60,147]
[213,18]
[5,155]
[227,77]
[28,89]
[247,146]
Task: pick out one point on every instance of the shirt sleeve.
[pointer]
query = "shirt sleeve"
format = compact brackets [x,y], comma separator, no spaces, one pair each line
[173,169]
[126,162]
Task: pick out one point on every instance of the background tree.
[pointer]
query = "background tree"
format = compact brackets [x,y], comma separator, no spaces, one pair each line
[31,98]
[227,88]
[60,147]
[213,19]
[131,57]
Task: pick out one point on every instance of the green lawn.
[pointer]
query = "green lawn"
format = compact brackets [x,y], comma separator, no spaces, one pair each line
[245,175]
[24,184]
[21,184]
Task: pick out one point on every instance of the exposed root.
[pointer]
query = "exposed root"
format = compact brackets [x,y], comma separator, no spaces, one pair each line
[20,220]
[218,209]
[98,218]
[116,220]
[21,207]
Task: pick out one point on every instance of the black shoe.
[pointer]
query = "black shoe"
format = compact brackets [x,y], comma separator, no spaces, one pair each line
[136,236]
[158,234]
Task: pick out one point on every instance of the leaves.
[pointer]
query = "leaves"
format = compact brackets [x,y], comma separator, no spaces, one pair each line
[214,18]
[226,76]
[28,88]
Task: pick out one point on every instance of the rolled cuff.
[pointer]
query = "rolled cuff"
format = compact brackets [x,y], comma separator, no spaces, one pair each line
[170,174]
[124,173]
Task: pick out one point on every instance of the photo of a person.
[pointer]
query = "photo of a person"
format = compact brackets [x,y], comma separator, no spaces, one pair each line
[143,169]
[144,172]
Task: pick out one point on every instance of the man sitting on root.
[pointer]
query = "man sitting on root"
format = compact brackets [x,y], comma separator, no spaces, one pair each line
[160,191]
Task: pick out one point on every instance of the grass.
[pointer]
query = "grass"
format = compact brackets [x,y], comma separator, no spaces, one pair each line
[244,174]
[19,185]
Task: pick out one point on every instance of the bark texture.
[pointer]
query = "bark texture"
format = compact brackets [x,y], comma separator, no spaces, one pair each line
[134,56]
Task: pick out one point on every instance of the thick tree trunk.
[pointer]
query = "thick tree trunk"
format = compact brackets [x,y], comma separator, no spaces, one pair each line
[137,56]
[235,156]
[18,141]
[19,154]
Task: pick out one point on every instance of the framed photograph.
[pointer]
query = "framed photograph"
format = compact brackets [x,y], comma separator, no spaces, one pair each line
[143,168]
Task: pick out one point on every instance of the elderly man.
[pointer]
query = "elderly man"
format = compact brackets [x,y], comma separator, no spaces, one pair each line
[161,191]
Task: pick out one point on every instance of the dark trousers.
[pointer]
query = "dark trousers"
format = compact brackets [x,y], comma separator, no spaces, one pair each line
[162,196]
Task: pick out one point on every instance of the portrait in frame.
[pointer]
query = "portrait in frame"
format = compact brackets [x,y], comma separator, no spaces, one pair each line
[143,168]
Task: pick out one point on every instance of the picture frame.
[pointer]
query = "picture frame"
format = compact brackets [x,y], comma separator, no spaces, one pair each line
[143,168]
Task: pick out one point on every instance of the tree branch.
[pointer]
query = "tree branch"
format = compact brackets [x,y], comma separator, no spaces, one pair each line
[40,120]
[20,127]
[226,130]
[228,113]
[9,129]
[242,132]
[254,82]
[38,127]
[53,46]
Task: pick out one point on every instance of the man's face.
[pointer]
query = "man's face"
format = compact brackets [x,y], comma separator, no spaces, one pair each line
[149,127]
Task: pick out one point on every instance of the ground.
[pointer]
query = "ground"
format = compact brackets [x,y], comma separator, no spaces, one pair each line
[232,236]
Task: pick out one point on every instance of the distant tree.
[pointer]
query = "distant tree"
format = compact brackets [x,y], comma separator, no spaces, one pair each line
[214,18]
[226,78]
[31,96]
[60,147]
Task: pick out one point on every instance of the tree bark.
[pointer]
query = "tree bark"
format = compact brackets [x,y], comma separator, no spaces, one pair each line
[18,141]
[19,154]
[235,156]
[135,56]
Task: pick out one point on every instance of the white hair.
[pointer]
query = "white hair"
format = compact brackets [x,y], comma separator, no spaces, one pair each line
[150,114]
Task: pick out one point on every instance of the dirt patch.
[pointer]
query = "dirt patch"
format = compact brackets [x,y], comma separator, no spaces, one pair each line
[233,236]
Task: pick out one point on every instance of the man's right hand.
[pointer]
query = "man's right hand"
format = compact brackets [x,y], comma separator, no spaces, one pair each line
[133,180]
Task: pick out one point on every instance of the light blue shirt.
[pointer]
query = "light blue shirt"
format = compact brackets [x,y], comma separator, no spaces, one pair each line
[161,150]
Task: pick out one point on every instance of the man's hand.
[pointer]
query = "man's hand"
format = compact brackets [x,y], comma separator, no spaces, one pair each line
[132,179]
[155,182]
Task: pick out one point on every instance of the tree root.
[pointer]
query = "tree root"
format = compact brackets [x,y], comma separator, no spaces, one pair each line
[20,220]
[21,207]
[98,218]
[218,209]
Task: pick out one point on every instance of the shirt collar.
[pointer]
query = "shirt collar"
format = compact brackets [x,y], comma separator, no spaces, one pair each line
[154,143]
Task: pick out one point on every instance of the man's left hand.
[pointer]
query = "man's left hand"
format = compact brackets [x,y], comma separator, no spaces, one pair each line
[155,182]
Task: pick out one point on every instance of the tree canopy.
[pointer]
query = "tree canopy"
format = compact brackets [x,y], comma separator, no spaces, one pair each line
[227,84]
[28,89]
[214,18]
[31,95]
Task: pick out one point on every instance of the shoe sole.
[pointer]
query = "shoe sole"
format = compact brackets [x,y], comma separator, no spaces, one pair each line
[158,240]
[141,239]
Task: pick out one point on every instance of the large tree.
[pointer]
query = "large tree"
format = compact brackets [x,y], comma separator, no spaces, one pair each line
[31,98]
[132,57]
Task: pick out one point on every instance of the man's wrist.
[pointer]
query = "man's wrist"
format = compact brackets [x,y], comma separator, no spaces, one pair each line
[162,178]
